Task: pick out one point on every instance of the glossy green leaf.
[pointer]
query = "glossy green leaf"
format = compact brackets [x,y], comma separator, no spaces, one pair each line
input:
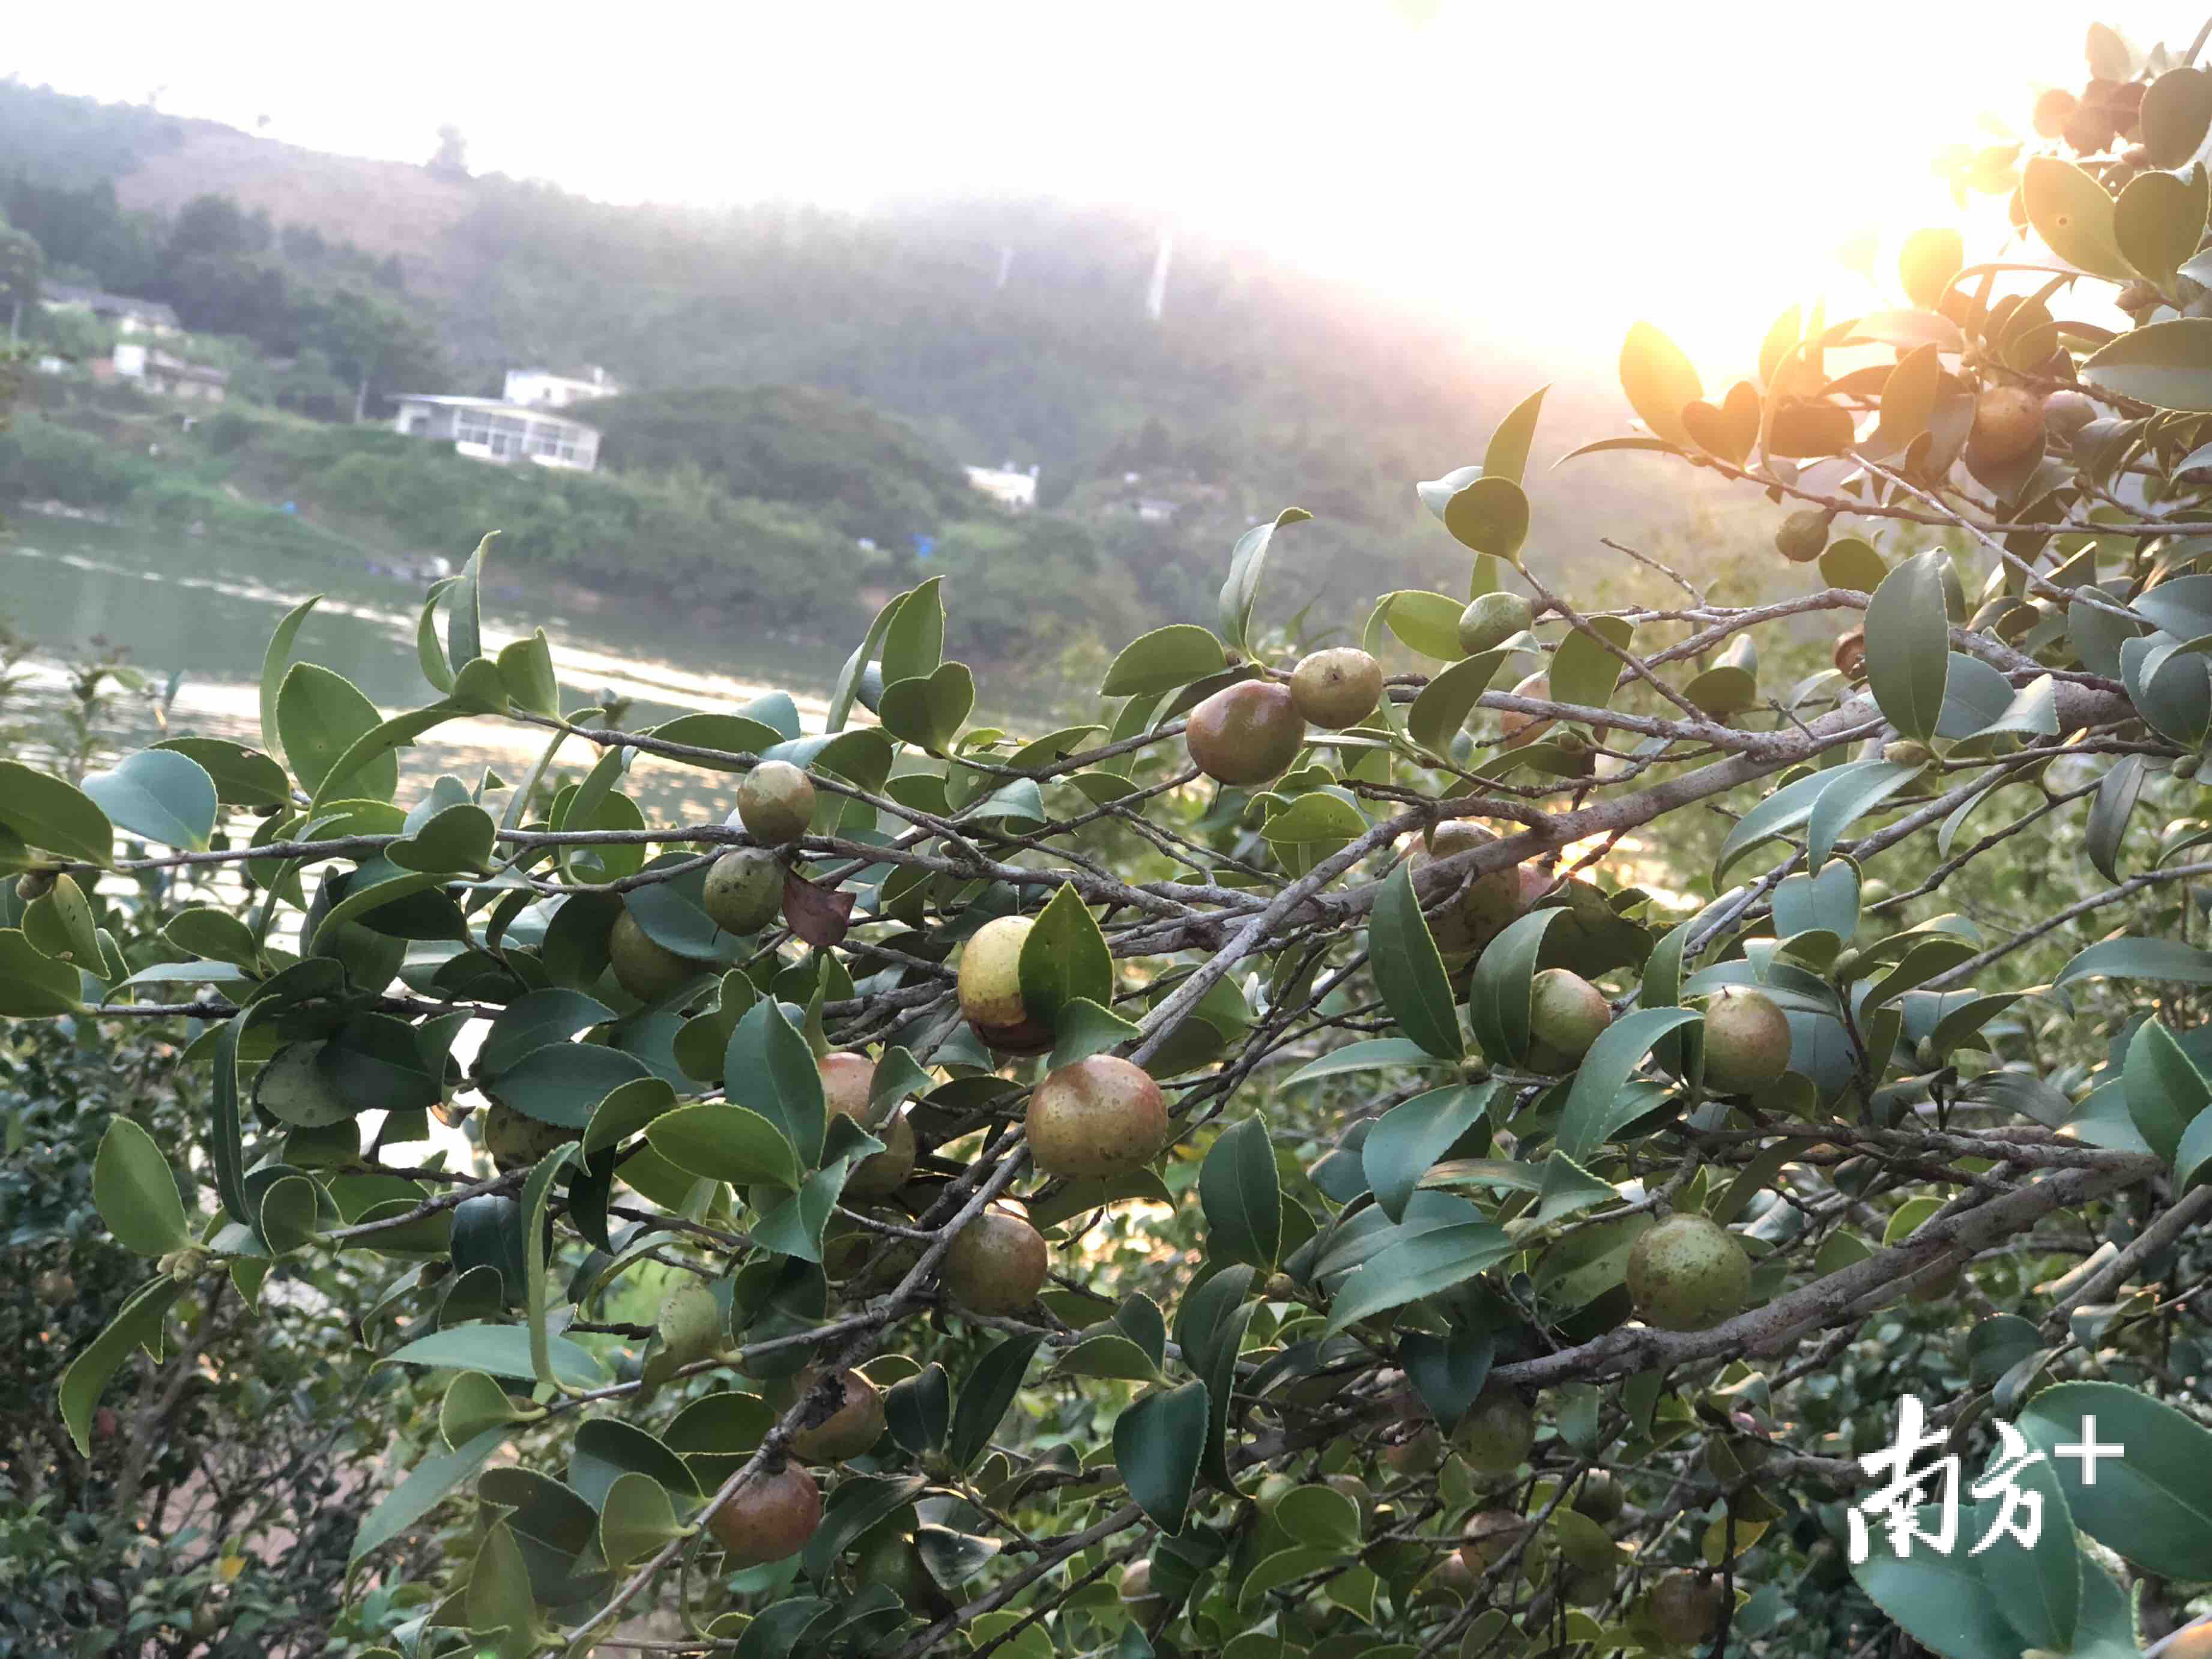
[273,663]
[1427,622]
[1409,970]
[2165,1091]
[525,671]
[34,985]
[1507,456]
[1158,1443]
[2168,959]
[1083,1029]
[1410,1268]
[501,1351]
[1064,958]
[1928,262]
[321,715]
[726,1143]
[1374,1053]
[465,612]
[1163,660]
[160,795]
[2177,108]
[929,711]
[1239,592]
[2152,1504]
[1440,710]
[985,1395]
[136,1325]
[1242,1196]
[1498,996]
[1409,1137]
[136,1193]
[1489,515]
[2115,804]
[1856,790]
[49,813]
[1584,671]
[1596,1103]
[2159,219]
[1908,645]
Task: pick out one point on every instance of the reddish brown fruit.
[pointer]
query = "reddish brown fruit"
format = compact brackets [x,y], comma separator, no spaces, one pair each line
[2008,422]
[767,1518]
[849,1431]
[1101,1116]
[996,1265]
[1850,653]
[1747,1041]
[1686,1607]
[1245,733]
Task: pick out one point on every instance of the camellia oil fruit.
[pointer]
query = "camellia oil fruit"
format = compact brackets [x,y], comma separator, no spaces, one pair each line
[1101,1116]
[1747,1041]
[1337,688]
[1245,733]
[1688,1274]
[848,1081]
[645,968]
[769,1518]
[1567,1013]
[996,1265]
[744,890]
[855,1425]
[775,803]
[1489,621]
[1497,1431]
[990,987]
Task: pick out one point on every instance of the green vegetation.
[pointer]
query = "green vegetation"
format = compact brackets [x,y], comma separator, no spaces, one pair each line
[1492,1180]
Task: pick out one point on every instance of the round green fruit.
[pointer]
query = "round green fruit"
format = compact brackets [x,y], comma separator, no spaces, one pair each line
[855,1425]
[1498,1431]
[990,988]
[1686,1607]
[1337,688]
[1245,733]
[996,1264]
[1567,1013]
[1688,1274]
[775,803]
[1747,1041]
[769,1518]
[648,970]
[1600,1498]
[1492,620]
[744,890]
[1803,536]
[1101,1116]
[517,1141]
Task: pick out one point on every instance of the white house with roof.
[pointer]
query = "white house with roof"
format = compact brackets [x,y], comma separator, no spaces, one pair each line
[1007,485]
[128,315]
[500,430]
[541,388]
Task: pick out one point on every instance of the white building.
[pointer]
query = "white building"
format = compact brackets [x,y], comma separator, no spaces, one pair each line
[502,430]
[156,371]
[128,315]
[541,388]
[1006,485]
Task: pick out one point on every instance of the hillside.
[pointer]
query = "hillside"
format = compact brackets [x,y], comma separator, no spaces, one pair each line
[1003,331]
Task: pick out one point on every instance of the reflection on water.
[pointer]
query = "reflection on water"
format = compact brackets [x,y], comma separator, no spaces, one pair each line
[197,607]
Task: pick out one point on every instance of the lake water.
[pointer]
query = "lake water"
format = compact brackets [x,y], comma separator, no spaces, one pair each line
[198,607]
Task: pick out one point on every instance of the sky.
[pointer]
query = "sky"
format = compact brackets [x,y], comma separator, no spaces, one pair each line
[1544,170]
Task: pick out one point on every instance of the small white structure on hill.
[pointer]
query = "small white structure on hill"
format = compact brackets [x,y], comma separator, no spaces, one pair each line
[500,430]
[127,314]
[156,371]
[541,388]
[1006,485]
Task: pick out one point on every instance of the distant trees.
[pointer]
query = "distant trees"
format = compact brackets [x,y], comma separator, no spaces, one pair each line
[451,160]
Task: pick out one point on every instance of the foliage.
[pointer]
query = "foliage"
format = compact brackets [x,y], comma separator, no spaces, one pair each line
[1385,1283]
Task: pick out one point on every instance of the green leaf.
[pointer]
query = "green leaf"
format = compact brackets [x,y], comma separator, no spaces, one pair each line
[1439,711]
[1489,515]
[1246,562]
[1908,645]
[1409,970]
[321,715]
[458,839]
[428,1485]
[848,685]
[137,1325]
[1064,958]
[1498,994]
[1426,623]
[1938,1600]
[272,671]
[525,671]
[919,1409]
[501,1351]
[34,985]
[1163,660]
[60,923]
[2073,214]
[1583,670]
[564,1083]
[2192,1154]
[2165,1091]
[2159,220]
[733,734]
[464,614]
[636,1519]
[769,1068]
[1241,1194]
[1507,457]
[1158,1443]
[2177,108]
[1929,259]
[930,711]
[914,634]
[243,776]
[535,1019]
[2166,959]
[205,931]
[1412,1267]
[536,1229]
[726,1143]
[136,1193]
[2110,812]
[985,1394]
[1083,1028]
[1409,1137]
[2166,364]
[1108,1354]
[49,813]
[1854,790]
[1375,1053]
[1447,1371]
[1596,1105]
[2153,1504]
[1659,381]
[160,795]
